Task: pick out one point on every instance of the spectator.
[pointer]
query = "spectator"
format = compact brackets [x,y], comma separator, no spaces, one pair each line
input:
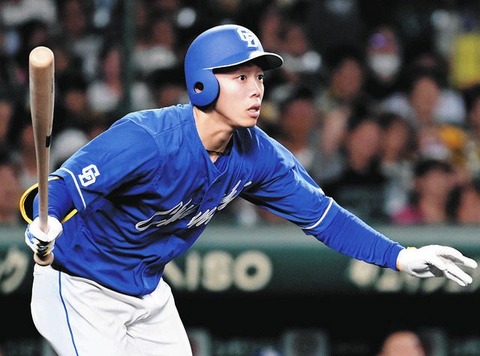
[402,343]
[102,13]
[345,84]
[66,61]
[418,102]
[7,112]
[328,138]
[442,103]
[302,63]
[360,184]
[429,197]
[298,117]
[170,8]
[107,93]
[17,12]
[168,87]
[160,49]
[451,106]
[77,30]
[141,10]
[25,155]
[472,147]
[398,154]
[141,13]
[464,204]
[270,28]
[336,102]
[334,22]
[72,109]
[384,59]
[435,139]
[31,34]
[7,48]
[10,191]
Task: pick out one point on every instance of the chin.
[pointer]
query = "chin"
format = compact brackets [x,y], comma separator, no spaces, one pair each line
[244,124]
[251,122]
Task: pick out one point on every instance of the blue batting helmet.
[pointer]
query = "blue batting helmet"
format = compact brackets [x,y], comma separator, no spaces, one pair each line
[220,47]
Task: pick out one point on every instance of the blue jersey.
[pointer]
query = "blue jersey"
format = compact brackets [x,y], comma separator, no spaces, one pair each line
[145,189]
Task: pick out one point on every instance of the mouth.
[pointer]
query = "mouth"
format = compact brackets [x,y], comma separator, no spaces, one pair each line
[254,111]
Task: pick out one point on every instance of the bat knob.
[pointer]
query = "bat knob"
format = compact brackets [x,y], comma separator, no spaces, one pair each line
[43,261]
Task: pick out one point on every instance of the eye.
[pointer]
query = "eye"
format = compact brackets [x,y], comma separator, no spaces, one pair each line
[261,77]
[242,77]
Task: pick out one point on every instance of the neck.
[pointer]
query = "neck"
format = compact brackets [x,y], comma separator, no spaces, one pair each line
[213,133]
[216,153]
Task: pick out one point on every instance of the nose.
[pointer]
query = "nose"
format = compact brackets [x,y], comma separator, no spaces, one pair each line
[257,88]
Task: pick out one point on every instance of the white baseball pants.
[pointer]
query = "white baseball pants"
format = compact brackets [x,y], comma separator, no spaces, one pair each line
[80,317]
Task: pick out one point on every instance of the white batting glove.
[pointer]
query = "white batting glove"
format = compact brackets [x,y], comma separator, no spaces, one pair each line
[40,242]
[436,261]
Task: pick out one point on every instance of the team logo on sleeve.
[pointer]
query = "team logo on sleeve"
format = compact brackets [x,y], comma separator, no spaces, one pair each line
[89,175]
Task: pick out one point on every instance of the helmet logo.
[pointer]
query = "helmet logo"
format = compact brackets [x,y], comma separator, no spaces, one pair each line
[248,37]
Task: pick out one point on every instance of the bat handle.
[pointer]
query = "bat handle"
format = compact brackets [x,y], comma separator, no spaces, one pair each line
[43,260]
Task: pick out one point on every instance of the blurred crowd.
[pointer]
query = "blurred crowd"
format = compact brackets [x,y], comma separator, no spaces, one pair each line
[379,100]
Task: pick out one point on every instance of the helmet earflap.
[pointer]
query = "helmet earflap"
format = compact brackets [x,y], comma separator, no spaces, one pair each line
[204,89]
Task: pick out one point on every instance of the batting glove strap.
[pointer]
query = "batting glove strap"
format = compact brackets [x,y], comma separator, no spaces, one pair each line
[436,261]
[40,242]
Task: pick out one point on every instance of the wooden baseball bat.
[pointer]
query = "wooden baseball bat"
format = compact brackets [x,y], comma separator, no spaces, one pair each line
[42,92]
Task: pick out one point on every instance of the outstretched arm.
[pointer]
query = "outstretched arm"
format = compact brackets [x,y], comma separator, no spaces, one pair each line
[349,235]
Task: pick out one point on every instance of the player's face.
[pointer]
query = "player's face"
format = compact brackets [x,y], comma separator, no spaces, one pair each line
[241,94]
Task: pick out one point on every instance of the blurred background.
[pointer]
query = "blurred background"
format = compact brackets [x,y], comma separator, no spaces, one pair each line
[379,100]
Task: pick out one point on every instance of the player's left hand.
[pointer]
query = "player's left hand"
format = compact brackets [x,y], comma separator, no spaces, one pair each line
[436,261]
[40,242]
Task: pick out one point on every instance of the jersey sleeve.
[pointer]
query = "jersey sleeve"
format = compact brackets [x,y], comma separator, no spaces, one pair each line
[124,153]
[287,190]
[351,236]
[283,186]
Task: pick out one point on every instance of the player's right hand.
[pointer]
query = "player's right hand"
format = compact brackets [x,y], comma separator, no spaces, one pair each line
[40,242]
[436,261]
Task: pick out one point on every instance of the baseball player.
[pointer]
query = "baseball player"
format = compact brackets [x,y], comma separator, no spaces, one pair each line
[140,194]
